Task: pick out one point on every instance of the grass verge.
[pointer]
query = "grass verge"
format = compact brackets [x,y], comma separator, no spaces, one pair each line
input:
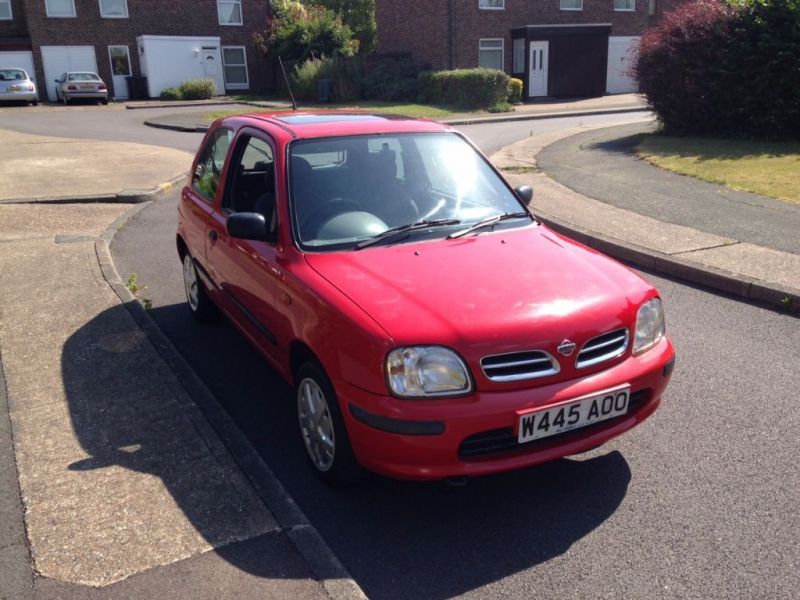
[405,109]
[766,168]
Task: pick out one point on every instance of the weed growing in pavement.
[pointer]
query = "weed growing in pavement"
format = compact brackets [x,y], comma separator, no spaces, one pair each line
[133,283]
[135,288]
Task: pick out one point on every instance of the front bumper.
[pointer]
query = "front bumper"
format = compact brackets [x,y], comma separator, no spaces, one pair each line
[386,440]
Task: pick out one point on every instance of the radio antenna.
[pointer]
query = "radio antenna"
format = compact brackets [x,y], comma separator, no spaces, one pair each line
[288,85]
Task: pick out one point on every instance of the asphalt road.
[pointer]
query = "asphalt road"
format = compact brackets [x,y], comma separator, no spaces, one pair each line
[698,502]
[99,123]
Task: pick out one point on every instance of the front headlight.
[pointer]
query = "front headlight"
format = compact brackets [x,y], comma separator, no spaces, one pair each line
[420,371]
[649,326]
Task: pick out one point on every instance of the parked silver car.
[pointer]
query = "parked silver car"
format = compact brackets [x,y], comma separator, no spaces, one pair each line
[73,85]
[15,84]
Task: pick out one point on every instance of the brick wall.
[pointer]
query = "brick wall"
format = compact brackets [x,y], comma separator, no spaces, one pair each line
[16,27]
[422,27]
[147,17]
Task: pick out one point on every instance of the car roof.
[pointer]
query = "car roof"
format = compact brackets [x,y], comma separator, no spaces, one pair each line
[315,124]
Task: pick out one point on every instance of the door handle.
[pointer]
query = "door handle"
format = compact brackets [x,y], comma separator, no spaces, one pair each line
[213,235]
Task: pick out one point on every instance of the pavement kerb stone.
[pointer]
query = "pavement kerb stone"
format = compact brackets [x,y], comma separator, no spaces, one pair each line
[122,197]
[220,430]
[507,118]
[774,295]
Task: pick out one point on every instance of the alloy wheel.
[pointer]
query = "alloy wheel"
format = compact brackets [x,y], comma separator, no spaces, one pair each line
[316,424]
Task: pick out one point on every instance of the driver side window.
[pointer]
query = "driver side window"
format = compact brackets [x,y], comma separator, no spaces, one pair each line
[252,186]
[211,163]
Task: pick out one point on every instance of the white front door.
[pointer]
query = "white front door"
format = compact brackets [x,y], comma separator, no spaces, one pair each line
[212,67]
[537,84]
[120,69]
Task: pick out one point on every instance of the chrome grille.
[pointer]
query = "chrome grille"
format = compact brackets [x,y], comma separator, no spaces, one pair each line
[602,348]
[517,366]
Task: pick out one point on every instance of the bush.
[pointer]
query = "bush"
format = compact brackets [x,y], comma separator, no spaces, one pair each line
[346,74]
[467,89]
[391,78]
[712,68]
[170,93]
[306,76]
[514,91]
[197,89]
[300,32]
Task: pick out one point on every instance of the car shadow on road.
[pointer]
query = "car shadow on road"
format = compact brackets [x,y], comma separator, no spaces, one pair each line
[397,539]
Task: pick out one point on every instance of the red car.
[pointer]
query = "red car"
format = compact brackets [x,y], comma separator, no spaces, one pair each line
[432,327]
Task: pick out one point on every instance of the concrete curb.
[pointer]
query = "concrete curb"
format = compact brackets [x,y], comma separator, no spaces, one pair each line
[309,543]
[185,104]
[179,128]
[505,118]
[123,197]
[785,300]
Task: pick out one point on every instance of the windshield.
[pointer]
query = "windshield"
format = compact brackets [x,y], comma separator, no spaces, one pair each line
[347,190]
[12,75]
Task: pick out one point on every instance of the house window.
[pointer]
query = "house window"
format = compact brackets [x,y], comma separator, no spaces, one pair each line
[519,55]
[114,9]
[60,8]
[625,5]
[491,54]
[5,10]
[572,4]
[230,12]
[492,4]
[234,65]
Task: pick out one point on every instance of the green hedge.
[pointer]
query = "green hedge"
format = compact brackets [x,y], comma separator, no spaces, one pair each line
[729,69]
[197,89]
[467,89]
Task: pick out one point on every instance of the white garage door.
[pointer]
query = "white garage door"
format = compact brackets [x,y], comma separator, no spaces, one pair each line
[621,51]
[18,60]
[60,59]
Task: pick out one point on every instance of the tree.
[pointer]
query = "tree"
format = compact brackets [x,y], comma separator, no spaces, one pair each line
[297,32]
[359,16]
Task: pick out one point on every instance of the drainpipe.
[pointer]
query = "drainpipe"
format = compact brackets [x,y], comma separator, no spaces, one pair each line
[451,34]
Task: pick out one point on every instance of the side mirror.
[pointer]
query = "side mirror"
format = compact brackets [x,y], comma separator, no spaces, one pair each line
[248,226]
[524,193]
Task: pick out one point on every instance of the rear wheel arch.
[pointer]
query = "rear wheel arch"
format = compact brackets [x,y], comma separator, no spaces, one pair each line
[183,249]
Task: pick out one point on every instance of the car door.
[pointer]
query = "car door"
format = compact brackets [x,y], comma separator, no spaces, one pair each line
[246,269]
[199,198]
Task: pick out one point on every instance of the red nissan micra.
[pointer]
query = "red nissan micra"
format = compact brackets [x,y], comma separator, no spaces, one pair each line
[431,325]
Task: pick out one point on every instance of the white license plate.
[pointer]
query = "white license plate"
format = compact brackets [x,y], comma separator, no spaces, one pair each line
[87,87]
[536,425]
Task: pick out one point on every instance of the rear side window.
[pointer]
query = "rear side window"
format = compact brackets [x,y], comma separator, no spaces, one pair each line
[211,163]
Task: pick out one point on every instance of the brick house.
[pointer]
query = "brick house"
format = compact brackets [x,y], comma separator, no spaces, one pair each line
[168,42]
[558,48]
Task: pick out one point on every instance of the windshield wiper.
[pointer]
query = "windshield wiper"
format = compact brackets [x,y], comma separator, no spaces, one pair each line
[395,231]
[487,223]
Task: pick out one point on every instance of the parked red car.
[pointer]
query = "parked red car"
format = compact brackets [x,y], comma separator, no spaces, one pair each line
[431,325]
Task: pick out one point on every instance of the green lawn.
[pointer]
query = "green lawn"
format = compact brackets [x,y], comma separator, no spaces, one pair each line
[404,109]
[765,168]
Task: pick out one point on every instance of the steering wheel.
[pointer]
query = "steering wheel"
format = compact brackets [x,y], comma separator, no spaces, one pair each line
[320,215]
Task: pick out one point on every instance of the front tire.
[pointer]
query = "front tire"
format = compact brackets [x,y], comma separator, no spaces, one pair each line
[200,305]
[322,428]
